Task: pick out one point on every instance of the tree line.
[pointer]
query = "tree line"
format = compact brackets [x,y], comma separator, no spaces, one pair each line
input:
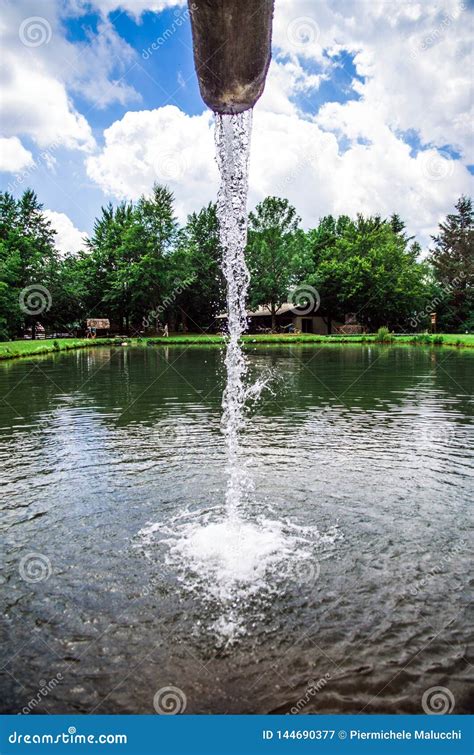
[140,269]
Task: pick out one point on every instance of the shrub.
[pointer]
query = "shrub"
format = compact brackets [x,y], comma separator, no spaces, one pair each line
[422,338]
[383,335]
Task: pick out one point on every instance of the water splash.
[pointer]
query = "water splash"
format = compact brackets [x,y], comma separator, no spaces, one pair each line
[235,569]
[232,137]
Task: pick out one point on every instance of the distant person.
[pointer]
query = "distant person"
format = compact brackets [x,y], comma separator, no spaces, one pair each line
[93,332]
[89,332]
[166,331]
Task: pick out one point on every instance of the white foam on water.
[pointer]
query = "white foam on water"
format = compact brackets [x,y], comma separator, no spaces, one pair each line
[235,556]
[229,563]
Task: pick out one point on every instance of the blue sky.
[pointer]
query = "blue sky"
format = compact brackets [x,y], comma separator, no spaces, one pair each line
[160,76]
[367,108]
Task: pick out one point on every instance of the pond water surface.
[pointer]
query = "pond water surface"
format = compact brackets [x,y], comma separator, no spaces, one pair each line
[112,467]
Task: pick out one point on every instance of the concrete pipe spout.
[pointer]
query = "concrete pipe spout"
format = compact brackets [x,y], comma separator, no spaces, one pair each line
[232,51]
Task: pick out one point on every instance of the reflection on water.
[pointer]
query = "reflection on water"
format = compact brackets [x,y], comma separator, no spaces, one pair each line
[361,458]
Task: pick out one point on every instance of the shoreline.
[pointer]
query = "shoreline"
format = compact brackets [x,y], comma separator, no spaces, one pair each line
[23,348]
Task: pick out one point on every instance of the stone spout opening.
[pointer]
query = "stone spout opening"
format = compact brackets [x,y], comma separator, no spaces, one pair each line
[232,51]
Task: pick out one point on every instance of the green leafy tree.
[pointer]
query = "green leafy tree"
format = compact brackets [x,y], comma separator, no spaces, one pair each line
[29,265]
[196,272]
[276,253]
[366,267]
[327,273]
[453,261]
[105,268]
[128,265]
[154,238]
[72,295]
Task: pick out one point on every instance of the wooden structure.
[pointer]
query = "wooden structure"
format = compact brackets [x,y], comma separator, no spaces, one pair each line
[94,325]
[350,327]
[290,319]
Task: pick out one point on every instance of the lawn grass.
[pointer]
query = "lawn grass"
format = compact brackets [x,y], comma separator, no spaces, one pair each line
[14,349]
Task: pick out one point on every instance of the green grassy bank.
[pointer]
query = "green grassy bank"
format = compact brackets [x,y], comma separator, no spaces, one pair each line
[14,349]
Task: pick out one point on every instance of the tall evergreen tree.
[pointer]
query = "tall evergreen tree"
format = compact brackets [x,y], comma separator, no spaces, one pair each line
[453,260]
[154,237]
[29,264]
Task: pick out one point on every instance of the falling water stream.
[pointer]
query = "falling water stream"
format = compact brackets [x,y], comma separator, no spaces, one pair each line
[233,150]
[234,556]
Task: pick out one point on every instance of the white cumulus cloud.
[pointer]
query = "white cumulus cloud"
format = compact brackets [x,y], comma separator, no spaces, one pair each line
[134,8]
[68,238]
[36,104]
[413,75]
[416,58]
[163,145]
[13,155]
[42,69]
[291,156]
